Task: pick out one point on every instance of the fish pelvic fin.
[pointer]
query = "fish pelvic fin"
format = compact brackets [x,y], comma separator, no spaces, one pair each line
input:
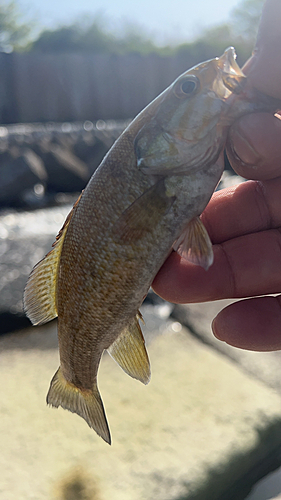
[85,403]
[129,352]
[39,299]
[194,244]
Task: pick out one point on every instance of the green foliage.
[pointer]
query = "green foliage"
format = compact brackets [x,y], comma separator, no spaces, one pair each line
[93,37]
[214,41]
[13,32]
[75,37]
[91,34]
[240,31]
[245,19]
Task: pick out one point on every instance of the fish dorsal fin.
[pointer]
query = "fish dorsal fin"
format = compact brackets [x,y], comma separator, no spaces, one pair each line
[129,352]
[140,317]
[194,244]
[40,292]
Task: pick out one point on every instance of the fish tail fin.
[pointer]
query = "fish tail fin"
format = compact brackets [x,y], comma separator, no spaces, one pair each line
[86,403]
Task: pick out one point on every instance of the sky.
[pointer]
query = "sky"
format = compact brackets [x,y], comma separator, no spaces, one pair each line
[167,20]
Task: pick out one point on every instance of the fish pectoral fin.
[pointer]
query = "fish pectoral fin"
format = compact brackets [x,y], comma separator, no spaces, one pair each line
[85,403]
[194,244]
[129,352]
[39,298]
[143,215]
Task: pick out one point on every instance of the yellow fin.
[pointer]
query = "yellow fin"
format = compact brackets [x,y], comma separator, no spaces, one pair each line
[129,352]
[85,403]
[39,298]
[140,317]
[195,245]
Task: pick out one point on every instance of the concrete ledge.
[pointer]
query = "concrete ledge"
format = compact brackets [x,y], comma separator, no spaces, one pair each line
[264,366]
[197,431]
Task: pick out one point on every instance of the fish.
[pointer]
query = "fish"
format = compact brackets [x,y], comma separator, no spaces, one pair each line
[143,202]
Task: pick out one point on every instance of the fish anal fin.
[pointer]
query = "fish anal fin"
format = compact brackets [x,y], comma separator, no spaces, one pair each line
[40,292]
[194,244]
[85,403]
[129,352]
[143,214]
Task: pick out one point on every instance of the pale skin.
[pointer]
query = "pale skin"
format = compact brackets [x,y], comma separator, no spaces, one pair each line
[244,222]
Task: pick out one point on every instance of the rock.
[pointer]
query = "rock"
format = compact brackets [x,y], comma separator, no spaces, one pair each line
[65,171]
[58,157]
[20,170]
[91,150]
[202,429]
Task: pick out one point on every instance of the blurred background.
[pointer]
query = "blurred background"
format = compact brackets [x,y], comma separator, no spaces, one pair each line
[71,61]
[72,76]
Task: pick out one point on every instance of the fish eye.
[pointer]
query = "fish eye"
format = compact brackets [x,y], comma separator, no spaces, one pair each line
[186,86]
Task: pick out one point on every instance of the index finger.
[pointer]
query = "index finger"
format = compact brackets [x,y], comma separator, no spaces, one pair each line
[250,207]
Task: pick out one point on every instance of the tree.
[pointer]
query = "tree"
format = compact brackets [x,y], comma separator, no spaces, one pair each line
[245,19]
[75,37]
[240,31]
[13,32]
[91,35]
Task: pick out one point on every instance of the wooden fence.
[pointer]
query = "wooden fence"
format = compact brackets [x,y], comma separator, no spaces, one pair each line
[76,87]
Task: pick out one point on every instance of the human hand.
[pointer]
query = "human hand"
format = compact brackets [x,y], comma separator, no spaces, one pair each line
[244,222]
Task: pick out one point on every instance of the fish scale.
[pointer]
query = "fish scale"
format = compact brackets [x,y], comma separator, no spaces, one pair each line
[142,201]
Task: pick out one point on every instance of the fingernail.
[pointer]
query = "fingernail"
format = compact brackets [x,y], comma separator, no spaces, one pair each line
[215,331]
[241,146]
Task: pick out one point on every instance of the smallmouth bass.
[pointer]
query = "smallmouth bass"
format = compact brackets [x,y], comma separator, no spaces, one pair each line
[144,199]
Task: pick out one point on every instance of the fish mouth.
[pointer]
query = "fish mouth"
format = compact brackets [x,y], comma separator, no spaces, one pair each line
[239,95]
[231,74]
[230,78]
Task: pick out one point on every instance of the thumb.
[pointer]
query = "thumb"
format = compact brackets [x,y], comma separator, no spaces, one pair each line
[264,67]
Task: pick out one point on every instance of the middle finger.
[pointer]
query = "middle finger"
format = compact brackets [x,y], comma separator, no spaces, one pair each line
[250,207]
